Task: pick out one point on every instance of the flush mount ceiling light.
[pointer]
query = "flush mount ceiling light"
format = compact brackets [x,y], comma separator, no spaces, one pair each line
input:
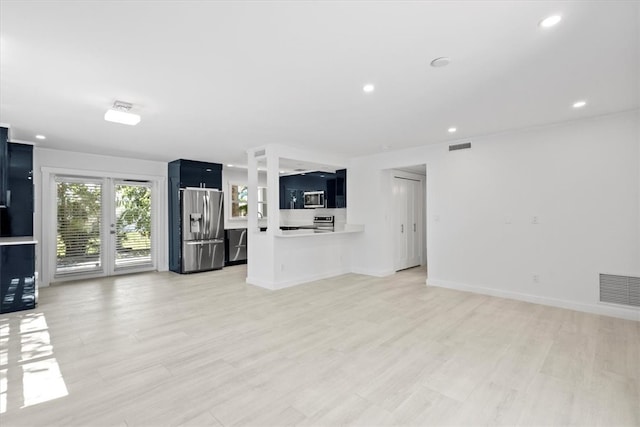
[452,130]
[579,104]
[368,88]
[41,137]
[443,61]
[119,113]
[550,21]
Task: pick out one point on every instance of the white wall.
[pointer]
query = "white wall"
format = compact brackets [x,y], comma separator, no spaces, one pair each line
[96,165]
[580,179]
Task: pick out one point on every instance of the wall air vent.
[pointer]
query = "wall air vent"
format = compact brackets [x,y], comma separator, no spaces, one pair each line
[259,153]
[623,290]
[463,146]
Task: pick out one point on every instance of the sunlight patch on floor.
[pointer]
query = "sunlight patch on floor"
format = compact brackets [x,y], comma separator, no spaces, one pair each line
[41,377]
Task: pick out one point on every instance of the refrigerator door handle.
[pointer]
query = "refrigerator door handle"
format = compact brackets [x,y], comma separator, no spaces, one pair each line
[203,242]
[220,201]
[205,201]
[208,214]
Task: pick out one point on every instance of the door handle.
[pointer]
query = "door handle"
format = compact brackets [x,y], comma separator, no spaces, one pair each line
[414,227]
[402,228]
[203,242]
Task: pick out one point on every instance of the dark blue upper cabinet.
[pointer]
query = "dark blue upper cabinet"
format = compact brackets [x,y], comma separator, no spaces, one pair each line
[191,173]
[341,188]
[4,165]
[292,188]
[17,218]
[330,194]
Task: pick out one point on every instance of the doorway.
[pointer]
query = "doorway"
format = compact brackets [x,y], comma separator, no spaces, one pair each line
[409,219]
[103,226]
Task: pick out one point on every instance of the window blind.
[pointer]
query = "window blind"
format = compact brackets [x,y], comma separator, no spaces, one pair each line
[79,217]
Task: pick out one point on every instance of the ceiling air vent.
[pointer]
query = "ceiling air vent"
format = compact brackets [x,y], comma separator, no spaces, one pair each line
[623,290]
[463,146]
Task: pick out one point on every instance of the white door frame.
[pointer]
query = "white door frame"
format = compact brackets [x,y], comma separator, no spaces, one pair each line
[49,220]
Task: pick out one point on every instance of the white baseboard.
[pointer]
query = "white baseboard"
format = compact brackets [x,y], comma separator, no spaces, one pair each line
[598,308]
[374,273]
[259,282]
[275,285]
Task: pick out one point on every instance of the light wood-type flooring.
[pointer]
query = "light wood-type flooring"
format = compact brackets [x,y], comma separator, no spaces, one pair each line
[206,349]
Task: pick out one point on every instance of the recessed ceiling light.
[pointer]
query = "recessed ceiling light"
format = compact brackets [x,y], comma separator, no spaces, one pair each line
[550,21]
[579,104]
[452,130]
[229,166]
[368,88]
[119,113]
[41,137]
[281,171]
[443,61]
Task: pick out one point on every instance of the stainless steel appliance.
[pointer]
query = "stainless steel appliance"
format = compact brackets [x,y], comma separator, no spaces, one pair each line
[324,223]
[236,247]
[314,199]
[202,229]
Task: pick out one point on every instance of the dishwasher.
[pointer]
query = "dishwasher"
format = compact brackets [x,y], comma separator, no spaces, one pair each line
[236,246]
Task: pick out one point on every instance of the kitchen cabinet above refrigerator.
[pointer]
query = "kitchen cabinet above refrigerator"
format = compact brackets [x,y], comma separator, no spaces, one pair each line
[192,173]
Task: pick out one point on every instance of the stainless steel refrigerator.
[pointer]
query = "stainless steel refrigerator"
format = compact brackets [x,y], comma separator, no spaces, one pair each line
[202,229]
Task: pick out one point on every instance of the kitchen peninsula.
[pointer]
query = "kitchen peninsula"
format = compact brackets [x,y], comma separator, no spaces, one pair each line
[282,258]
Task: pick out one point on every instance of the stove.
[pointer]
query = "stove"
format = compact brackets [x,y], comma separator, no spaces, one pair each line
[324,223]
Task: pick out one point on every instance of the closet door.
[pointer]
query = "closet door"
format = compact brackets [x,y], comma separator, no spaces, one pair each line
[414,201]
[407,210]
[400,222]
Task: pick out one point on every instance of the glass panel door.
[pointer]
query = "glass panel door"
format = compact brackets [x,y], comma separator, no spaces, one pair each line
[103,227]
[79,231]
[132,224]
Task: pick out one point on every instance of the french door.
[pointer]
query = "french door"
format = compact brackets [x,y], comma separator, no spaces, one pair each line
[104,226]
[407,215]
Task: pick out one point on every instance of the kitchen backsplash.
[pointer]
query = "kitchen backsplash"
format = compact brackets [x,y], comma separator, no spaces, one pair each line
[305,216]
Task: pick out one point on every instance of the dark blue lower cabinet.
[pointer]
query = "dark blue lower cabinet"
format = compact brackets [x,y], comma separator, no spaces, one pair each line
[17,277]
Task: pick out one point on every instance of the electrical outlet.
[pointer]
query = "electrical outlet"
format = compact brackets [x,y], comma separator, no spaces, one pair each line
[534,220]
[281,267]
[535,278]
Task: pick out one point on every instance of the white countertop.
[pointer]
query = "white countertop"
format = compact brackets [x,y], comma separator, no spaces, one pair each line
[306,232]
[28,240]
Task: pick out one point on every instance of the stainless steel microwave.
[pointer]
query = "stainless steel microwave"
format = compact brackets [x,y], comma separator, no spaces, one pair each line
[314,199]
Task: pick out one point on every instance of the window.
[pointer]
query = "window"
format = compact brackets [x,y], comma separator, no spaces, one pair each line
[239,207]
[239,201]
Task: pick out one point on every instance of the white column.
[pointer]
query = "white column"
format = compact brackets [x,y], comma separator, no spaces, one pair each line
[252,199]
[273,191]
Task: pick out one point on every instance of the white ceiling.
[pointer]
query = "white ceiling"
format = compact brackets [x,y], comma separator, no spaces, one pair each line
[212,79]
